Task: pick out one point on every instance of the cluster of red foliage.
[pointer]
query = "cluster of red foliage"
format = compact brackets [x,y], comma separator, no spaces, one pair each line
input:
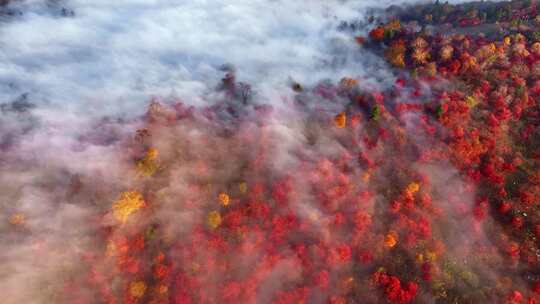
[490,124]
[256,240]
[393,289]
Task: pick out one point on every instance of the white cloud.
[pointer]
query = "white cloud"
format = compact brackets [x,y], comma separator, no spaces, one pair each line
[120,52]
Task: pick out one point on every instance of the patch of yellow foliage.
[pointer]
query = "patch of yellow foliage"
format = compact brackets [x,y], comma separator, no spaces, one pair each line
[214,219]
[162,289]
[394,25]
[111,249]
[412,188]
[431,256]
[446,52]
[395,54]
[471,101]
[366,176]
[390,240]
[348,83]
[243,187]
[152,153]
[129,203]
[137,289]
[536,48]
[341,120]
[224,199]
[421,56]
[17,219]
[149,164]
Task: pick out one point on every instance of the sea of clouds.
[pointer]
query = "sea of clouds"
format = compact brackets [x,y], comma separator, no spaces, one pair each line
[112,55]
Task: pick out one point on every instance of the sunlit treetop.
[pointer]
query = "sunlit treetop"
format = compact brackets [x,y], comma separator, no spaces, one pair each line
[137,289]
[149,165]
[17,219]
[224,199]
[129,203]
[390,240]
[340,120]
[348,83]
[214,219]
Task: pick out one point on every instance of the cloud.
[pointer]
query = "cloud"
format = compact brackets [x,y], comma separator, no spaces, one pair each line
[113,55]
